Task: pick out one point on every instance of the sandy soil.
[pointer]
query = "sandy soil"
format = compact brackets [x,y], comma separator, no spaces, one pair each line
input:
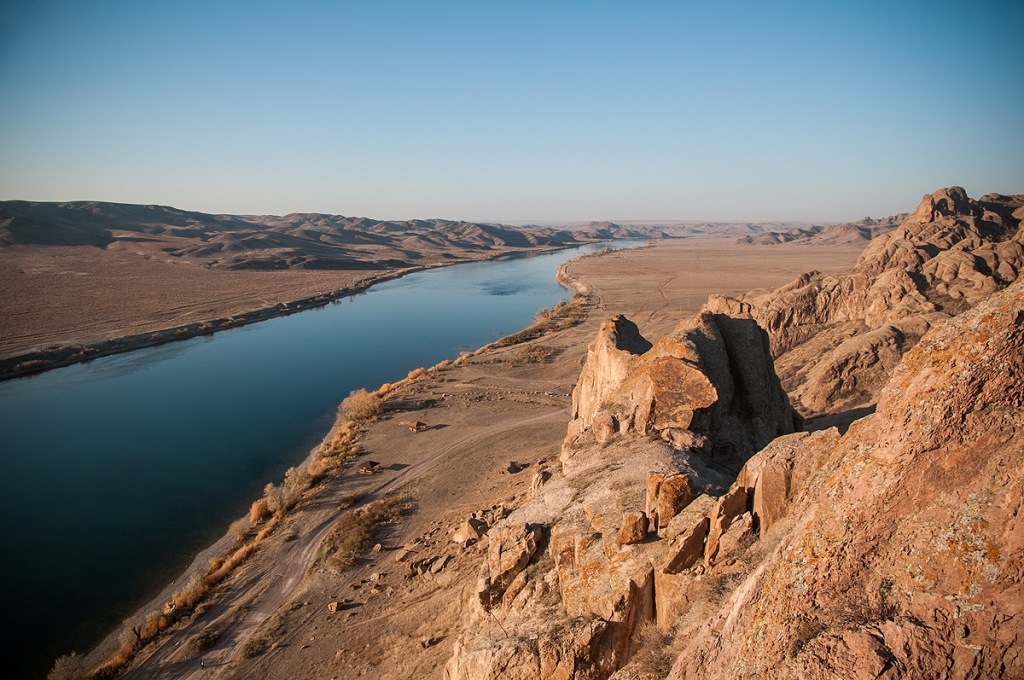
[77,295]
[484,411]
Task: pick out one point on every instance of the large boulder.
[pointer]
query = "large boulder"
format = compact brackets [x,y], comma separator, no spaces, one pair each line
[709,386]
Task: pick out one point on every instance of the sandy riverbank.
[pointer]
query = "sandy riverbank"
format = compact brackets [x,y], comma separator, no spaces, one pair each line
[484,411]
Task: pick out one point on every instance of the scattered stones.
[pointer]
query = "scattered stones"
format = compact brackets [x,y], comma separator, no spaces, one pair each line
[471,529]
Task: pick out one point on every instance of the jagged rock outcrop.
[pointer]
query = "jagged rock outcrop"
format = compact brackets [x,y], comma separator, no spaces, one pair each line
[895,550]
[836,339]
[619,517]
[710,386]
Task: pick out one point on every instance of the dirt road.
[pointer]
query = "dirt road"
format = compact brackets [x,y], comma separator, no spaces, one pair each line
[246,604]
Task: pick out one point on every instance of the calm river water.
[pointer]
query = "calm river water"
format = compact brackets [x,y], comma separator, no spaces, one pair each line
[118,471]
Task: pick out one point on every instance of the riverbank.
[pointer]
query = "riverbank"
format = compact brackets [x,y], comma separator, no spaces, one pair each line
[491,408]
[223,307]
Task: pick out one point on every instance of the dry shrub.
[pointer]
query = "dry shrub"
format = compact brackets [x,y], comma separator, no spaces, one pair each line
[416,373]
[361,405]
[156,623]
[200,642]
[67,667]
[229,565]
[296,481]
[188,597]
[354,533]
[384,389]
[267,528]
[656,655]
[239,529]
[259,511]
[254,647]
[274,498]
[321,467]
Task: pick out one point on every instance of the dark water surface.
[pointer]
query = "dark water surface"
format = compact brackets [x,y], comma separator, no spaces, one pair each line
[117,472]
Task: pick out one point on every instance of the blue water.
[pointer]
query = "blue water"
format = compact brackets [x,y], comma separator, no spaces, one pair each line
[118,471]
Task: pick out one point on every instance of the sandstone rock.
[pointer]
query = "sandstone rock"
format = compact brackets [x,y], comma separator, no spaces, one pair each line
[689,517]
[509,552]
[667,495]
[687,548]
[471,529]
[909,529]
[333,606]
[540,477]
[634,528]
[728,507]
[732,543]
[688,388]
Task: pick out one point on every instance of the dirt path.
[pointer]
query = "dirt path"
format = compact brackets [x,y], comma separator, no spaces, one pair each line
[282,583]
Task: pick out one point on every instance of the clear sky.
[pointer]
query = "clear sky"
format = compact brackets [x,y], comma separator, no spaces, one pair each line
[487,110]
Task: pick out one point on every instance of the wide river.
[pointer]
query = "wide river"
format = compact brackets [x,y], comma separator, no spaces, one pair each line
[118,471]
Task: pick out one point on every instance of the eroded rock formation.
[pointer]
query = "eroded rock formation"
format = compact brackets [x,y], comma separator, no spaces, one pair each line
[837,339]
[905,556]
[709,386]
[658,433]
[893,550]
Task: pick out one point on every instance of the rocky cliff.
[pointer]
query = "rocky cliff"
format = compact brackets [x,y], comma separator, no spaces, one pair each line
[709,386]
[891,550]
[837,339]
[658,433]
[903,553]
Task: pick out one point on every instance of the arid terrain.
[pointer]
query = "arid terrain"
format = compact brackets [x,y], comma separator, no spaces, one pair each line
[484,411]
[793,458]
[84,279]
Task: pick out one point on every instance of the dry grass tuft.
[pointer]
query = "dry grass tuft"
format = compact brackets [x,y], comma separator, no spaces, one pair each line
[361,405]
[355,532]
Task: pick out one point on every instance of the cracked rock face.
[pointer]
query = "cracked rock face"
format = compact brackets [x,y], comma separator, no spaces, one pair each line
[837,339]
[709,386]
[903,553]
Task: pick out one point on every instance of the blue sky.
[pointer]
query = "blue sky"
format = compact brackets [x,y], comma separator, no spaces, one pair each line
[512,111]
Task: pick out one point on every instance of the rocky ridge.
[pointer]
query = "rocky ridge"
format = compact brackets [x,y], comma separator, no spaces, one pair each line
[270,242]
[905,556]
[658,431]
[836,339]
[892,550]
[849,232]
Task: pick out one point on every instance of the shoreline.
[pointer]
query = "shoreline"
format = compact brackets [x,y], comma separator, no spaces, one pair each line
[579,289]
[35,362]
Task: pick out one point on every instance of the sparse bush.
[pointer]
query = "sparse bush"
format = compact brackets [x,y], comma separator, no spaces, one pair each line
[416,373]
[655,657]
[296,481]
[362,405]
[131,632]
[239,529]
[254,647]
[274,498]
[354,533]
[67,667]
[188,597]
[200,642]
[259,511]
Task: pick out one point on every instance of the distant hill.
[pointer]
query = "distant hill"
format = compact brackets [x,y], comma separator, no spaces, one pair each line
[851,232]
[268,242]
